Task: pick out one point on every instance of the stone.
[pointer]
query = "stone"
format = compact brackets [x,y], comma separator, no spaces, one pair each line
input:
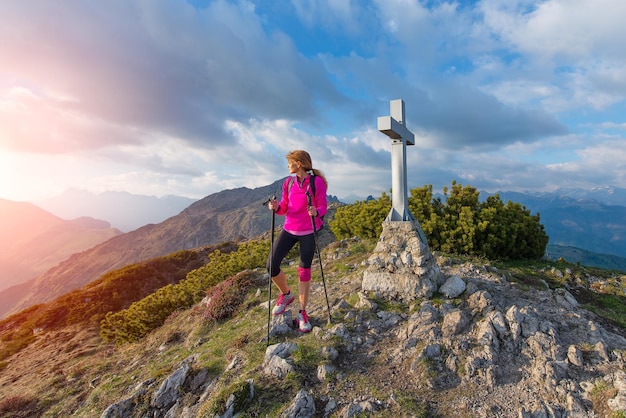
[331,405]
[303,406]
[276,362]
[575,356]
[453,287]
[359,408]
[168,393]
[499,323]
[454,322]
[601,351]
[330,353]
[565,299]
[516,347]
[323,370]
[365,303]
[281,324]
[123,408]
[486,335]
[479,300]
[618,403]
[278,367]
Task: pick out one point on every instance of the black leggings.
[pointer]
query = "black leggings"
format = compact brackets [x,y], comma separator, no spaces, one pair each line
[284,243]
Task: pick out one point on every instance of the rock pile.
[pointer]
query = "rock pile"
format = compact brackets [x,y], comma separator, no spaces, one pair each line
[402,265]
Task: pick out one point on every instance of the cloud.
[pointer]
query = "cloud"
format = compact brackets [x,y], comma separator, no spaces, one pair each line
[191,100]
[157,66]
[36,124]
[560,29]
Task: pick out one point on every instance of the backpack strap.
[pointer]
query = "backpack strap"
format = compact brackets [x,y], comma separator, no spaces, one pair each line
[311,183]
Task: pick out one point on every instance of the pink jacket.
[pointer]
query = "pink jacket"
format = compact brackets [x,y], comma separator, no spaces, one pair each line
[294,204]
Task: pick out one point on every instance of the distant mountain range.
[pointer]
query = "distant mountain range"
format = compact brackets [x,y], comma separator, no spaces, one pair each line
[229,215]
[609,195]
[33,240]
[592,221]
[125,211]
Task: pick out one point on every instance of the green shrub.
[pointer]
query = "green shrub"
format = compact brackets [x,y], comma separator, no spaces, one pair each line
[459,224]
[12,342]
[143,316]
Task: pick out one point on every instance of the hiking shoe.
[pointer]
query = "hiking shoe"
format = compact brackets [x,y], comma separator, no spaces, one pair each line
[303,322]
[283,301]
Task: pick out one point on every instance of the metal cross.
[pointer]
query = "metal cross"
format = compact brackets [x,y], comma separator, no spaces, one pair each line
[394,127]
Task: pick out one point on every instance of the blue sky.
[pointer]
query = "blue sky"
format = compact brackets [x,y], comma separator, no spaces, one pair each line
[192,97]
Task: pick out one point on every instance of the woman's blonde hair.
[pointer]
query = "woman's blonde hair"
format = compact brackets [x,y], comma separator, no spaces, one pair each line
[304,158]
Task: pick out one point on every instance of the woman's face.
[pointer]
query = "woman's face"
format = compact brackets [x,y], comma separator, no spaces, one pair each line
[293,165]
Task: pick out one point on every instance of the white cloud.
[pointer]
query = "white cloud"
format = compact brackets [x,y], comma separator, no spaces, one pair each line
[164,97]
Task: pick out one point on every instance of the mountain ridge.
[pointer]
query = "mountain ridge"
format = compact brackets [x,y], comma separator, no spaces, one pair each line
[34,240]
[232,214]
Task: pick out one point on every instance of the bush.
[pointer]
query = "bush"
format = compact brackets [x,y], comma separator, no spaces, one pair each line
[143,316]
[458,224]
[226,297]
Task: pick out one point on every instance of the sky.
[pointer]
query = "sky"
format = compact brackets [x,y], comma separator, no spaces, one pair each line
[188,98]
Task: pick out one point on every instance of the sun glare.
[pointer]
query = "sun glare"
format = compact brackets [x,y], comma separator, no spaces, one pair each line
[24,177]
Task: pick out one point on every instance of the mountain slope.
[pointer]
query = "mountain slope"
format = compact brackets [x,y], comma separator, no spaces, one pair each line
[508,346]
[224,216]
[34,240]
[587,258]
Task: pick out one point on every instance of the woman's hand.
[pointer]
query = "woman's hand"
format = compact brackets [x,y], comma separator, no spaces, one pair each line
[312,211]
[273,204]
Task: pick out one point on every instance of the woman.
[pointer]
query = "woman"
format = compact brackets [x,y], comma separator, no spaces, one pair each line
[295,206]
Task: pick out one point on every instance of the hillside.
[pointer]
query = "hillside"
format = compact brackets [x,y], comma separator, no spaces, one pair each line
[33,240]
[521,340]
[586,258]
[224,216]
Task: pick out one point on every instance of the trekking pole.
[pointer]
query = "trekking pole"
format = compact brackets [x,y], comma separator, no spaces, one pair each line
[269,280]
[319,257]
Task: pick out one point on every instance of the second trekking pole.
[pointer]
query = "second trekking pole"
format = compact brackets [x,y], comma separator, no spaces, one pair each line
[269,280]
[319,256]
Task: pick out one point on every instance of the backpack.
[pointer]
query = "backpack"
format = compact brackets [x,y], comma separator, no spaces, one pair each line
[311,185]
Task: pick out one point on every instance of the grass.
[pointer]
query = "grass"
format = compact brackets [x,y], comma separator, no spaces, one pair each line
[307,357]
[239,389]
[412,406]
[611,307]
[388,305]
[600,394]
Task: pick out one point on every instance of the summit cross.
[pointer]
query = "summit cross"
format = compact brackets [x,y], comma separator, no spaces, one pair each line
[394,126]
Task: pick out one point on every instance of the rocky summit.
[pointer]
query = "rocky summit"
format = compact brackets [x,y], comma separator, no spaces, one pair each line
[485,345]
